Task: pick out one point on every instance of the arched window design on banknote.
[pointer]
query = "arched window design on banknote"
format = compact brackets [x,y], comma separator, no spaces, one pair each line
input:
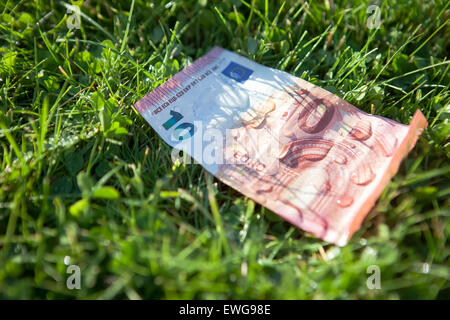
[322,165]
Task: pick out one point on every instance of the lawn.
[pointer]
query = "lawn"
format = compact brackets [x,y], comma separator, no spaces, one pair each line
[84,176]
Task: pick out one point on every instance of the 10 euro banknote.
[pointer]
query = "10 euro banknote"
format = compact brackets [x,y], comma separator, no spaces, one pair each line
[295,148]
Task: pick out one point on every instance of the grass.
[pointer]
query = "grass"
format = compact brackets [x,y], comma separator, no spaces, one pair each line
[83,175]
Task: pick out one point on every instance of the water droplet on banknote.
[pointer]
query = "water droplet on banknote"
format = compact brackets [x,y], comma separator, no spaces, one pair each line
[340,159]
[345,201]
[265,190]
[361,131]
[350,145]
[363,175]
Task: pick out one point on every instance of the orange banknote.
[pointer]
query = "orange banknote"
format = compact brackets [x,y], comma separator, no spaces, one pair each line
[295,148]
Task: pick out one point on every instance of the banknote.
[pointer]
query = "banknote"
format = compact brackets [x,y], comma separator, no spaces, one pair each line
[291,146]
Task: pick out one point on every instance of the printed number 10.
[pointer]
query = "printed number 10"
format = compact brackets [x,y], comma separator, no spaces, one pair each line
[176,116]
